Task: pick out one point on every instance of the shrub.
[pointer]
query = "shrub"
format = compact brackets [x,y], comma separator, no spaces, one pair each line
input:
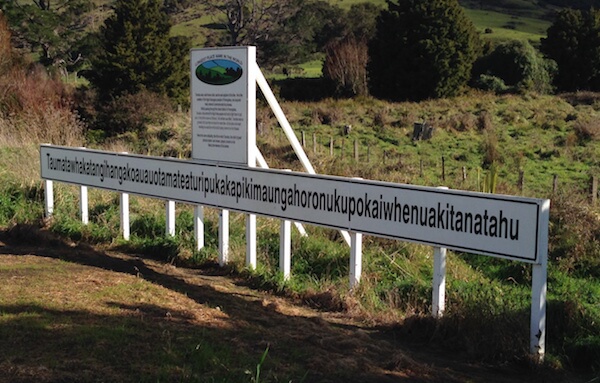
[346,65]
[513,65]
[133,113]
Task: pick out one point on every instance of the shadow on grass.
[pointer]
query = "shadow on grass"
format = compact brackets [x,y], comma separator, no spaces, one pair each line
[145,344]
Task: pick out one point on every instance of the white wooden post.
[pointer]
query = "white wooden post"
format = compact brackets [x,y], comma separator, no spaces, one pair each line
[124,207]
[355,258]
[170,211]
[199,226]
[285,248]
[439,282]
[223,237]
[83,205]
[251,241]
[539,286]
[438,298]
[49,198]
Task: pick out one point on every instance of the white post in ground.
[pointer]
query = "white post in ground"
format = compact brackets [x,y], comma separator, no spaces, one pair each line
[49,198]
[438,295]
[539,286]
[83,205]
[355,258]
[170,211]
[223,237]
[251,241]
[439,282]
[199,226]
[285,248]
[124,207]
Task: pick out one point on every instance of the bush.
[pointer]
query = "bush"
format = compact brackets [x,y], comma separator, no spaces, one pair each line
[514,66]
[133,113]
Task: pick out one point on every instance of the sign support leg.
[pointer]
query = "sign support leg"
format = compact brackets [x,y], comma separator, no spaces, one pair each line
[170,218]
[125,215]
[439,282]
[251,241]
[355,258]
[83,204]
[223,237]
[199,226]
[49,198]
[285,248]
[537,333]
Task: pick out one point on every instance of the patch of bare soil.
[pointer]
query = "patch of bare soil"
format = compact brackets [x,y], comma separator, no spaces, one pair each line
[332,346]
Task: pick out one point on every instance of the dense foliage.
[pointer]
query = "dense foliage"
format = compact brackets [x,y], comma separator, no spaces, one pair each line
[422,49]
[53,30]
[573,41]
[136,53]
[517,66]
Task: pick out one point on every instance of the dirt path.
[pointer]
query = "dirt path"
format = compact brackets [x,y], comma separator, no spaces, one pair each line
[333,347]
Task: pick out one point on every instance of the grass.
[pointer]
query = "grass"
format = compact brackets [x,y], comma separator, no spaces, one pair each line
[507,27]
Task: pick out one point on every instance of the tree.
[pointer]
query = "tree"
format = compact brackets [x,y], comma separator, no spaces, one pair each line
[517,64]
[422,49]
[346,65]
[137,53]
[573,41]
[248,22]
[52,28]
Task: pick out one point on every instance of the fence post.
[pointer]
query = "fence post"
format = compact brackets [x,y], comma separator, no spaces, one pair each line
[331,146]
[303,139]
[464,173]
[49,198]
[554,183]
[170,211]
[314,142]
[594,190]
[443,169]
[83,204]
[124,210]
[356,155]
[421,168]
[521,182]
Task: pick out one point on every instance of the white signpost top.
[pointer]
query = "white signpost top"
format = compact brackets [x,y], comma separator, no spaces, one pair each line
[491,224]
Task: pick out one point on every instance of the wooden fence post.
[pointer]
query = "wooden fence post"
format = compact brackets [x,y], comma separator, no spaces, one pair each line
[356,150]
[331,146]
[443,169]
[594,190]
[521,182]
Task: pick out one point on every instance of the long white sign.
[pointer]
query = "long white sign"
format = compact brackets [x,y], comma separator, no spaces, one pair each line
[496,225]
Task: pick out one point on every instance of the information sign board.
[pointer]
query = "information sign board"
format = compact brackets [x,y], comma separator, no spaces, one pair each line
[223,94]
